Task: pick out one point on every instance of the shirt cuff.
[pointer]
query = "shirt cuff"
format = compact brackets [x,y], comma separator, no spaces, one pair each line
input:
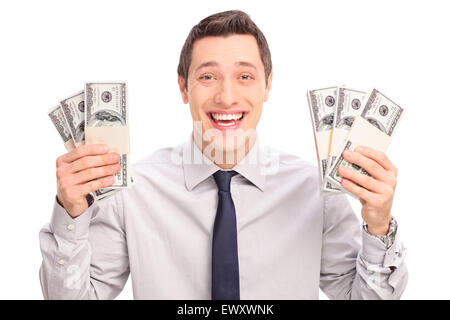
[66,227]
[374,251]
[389,238]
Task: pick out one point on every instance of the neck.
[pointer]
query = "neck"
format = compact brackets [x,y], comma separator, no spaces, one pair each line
[229,158]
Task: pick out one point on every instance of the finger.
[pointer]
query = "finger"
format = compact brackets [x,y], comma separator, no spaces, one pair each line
[82,151]
[93,161]
[360,192]
[95,173]
[94,185]
[372,167]
[379,156]
[363,180]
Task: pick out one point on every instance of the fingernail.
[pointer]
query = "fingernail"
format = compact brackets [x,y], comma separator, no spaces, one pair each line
[347,153]
[103,148]
[359,149]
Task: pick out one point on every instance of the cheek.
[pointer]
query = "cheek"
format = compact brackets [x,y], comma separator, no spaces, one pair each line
[256,99]
[197,99]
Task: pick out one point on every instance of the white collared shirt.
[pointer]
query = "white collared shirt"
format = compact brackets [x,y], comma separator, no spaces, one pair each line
[291,238]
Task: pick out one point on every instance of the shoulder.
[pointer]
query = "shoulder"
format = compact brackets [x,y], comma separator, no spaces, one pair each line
[291,173]
[303,178]
[287,164]
[284,168]
[169,158]
[152,172]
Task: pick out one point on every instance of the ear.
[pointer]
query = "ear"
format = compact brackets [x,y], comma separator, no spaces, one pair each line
[268,87]
[183,91]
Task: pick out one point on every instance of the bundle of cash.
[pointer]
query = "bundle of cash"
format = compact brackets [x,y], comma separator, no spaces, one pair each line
[102,108]
[344,118]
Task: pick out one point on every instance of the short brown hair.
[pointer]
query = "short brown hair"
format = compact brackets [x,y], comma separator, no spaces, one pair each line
[224,24]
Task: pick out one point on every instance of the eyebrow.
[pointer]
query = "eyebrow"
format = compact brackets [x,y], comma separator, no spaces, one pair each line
[207,64]
[215,64]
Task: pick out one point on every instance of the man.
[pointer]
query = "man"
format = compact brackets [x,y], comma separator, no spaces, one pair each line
[219,216]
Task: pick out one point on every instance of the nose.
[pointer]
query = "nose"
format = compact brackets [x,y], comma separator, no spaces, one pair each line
[227,94]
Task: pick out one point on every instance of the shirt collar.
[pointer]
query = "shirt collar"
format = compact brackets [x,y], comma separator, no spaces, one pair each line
[197,167]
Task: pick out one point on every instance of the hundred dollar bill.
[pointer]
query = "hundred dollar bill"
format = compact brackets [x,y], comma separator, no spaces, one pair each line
[106,106]
[104,193]
[350,103]
[101,194]
[57,117]
[73,109]
[380,112]
[322,104]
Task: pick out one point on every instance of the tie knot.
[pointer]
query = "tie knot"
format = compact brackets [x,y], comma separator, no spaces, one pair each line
[223,179]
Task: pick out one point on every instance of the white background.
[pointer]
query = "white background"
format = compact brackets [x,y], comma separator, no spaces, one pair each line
[50,48]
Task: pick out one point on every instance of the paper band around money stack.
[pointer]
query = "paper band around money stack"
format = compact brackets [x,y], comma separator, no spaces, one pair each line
[117,138]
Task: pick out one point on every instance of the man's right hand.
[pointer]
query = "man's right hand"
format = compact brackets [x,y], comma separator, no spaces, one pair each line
[83,170]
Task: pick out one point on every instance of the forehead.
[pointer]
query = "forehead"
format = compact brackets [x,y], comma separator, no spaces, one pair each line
[226,50]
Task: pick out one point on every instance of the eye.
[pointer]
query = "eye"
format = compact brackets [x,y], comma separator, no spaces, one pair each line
[207,77]
[246,77]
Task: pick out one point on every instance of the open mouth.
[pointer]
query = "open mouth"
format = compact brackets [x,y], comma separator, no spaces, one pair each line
[227,120]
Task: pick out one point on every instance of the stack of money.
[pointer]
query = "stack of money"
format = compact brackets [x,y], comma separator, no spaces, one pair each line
[344,118]
[98,114]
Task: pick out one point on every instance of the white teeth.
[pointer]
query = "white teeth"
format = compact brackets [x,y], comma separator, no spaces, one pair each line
[221,116]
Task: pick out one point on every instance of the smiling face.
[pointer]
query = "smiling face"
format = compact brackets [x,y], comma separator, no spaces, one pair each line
[226,85]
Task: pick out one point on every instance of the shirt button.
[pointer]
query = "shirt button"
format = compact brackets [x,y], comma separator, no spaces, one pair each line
[61,261]
[70,227]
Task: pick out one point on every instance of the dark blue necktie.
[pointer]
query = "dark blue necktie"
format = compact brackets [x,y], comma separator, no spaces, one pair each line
[225,265]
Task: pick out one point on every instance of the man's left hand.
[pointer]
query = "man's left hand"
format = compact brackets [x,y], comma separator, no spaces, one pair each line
[376,192]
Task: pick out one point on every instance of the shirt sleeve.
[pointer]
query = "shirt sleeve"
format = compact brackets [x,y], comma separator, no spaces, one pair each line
[85,257]
[355,264]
